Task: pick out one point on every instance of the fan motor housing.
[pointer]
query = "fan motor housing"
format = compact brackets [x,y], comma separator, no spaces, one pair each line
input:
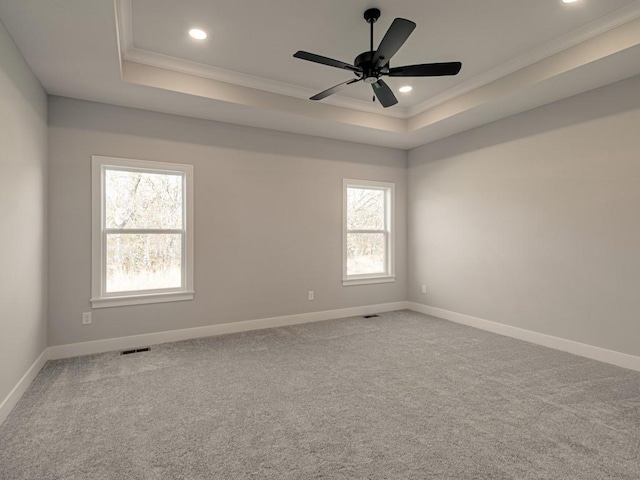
[365,62]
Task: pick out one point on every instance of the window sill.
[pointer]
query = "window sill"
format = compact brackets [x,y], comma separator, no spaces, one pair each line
[347,282]
[141,299]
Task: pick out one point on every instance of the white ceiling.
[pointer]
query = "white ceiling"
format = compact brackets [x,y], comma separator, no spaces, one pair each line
[259,38]
[516,55]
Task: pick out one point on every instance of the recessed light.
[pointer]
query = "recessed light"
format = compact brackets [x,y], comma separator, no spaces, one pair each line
[197,34]
[569,1]
[405,89]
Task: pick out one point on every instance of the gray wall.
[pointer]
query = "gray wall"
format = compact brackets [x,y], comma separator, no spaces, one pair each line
[23,175]
[534,221]
[268,218]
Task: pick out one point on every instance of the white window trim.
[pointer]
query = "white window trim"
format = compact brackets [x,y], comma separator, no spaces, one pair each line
[389,276]
[99,297]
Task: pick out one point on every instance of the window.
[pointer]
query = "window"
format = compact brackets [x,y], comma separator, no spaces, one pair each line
[368,233]
[142,232]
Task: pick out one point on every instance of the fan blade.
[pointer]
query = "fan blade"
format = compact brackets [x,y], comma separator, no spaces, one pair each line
[312,57]
[384,93]
[426,70]
[332,90]
[395,37]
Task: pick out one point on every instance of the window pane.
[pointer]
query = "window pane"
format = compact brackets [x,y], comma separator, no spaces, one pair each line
[143,200]
[365,209]
[365,253]
[143,262]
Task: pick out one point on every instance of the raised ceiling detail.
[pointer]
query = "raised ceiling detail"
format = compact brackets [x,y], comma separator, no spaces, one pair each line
[132,53]
[586,44]
[516,55]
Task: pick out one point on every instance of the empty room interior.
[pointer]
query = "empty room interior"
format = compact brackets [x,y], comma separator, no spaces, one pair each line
[308,239]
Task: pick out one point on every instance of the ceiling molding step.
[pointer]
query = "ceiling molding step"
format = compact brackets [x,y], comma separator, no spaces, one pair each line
[605,24]
[130,53]
[158,77]
[124,25]
[146,57]
[586,45]
[606,44]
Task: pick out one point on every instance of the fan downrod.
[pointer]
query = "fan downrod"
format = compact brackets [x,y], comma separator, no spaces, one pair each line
[370,74]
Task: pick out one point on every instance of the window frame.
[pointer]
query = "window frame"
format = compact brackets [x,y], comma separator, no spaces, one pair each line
[100,298]
[389,275]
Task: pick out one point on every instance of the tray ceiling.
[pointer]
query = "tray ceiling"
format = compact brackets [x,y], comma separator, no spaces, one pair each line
[516,55]
[259,38]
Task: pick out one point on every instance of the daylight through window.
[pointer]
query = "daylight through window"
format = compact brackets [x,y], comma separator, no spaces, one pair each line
[142,231]
[368,232]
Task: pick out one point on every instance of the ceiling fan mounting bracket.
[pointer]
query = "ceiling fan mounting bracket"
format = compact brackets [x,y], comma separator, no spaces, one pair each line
[372,15]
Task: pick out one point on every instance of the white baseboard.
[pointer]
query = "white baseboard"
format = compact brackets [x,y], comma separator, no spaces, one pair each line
[589,351]
[100,346]
[111,344]
[14,395]
[86,348]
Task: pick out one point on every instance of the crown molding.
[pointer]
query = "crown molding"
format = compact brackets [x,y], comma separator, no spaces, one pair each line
[132,54]
[124,26]
[560,44]
[178,65]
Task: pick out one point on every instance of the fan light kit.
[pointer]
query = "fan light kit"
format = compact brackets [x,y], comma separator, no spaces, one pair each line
[369,66]
[197,34]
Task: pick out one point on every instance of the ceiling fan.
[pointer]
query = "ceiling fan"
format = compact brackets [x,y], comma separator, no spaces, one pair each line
[370,66]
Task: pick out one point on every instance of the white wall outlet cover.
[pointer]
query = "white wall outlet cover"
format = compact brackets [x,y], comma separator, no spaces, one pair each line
[424,289]
[311,295]
[86,318]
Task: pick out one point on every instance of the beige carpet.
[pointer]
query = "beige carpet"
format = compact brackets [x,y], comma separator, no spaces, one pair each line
[403,396]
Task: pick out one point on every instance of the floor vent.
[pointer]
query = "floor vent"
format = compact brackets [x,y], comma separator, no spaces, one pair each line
[135,350]
[371,316]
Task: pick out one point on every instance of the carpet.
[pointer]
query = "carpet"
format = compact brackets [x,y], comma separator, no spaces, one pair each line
[401,396]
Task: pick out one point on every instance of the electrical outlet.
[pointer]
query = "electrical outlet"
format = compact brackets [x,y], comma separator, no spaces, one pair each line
[424,289]
[86,318]
[311,295]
